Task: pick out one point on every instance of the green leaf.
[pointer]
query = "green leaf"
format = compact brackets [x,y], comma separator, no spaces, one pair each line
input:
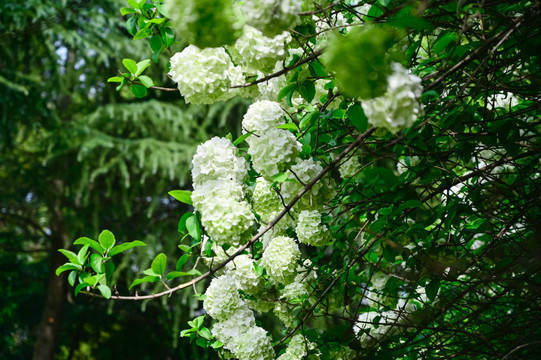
[134,4]
[138,90]
[127,10]
[144,280]
[161,9]
[288,126]
[96,261]
[187,332]
[92,243]
[280,177]
[316,69]
[80,287]
[115,79]
[175,274]
[141,66]
[72,277]
[410,204]
[168,36]
[184,196]
[241,138]
[357,117]
[109,270]
[193,228]
[182,261]
[142,34]
[83,254]
[432,289]
[68,266]
[182,222]
[105,291]
[93,280]
[204,332]
[72,257]
[307,90]
[309,118]
[287,91]
[131,25]
[131,65]
[157,20]
[159,263]
[217,344]
[107,239]
[185,248]
[125,246]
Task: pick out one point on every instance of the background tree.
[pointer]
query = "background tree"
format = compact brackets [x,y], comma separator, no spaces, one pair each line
[77,155]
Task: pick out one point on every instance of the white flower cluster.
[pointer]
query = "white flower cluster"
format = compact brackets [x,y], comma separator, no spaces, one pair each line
[218,159]
[350,167]
[302,285]
[272,150]
[243,271]
[272,16]
[400,106]
[205,76]
[267,203]
[220,255]
[319,194]
[236,323]
[259,52]
[311,231]
[280,259]
[218,172]
[298,348]
[342,353]
[269,90]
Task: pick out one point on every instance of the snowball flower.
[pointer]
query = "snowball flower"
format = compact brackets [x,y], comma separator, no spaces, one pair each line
[400,106]
[243,272]
[226,217]
[322,192]
[311,231]
[218,159]
[259,52]
[272,16]
[302,285]
[262,116]
[280,259]
[273,151]
[298,348]
[222,298]
[205,76]
[350,167]
[254,344]
[265,201]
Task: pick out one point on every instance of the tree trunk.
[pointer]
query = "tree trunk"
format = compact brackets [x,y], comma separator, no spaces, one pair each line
[49,328]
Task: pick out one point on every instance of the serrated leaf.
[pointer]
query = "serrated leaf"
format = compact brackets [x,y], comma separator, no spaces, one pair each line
[83,254]
[159,263]
[72,257]
[241,138]
[80,287]
[105,291]
[182,260]
[127,10]
[138,90]
[68,266]
[357,117]
[125,246]
[141,66]
[168,36]
[96,261]
[184,196]
[92,243]
[106,239]
[432,289]
[130,65]
[144,280]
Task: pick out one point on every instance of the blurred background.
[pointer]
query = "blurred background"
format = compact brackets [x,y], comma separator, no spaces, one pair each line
[77,157]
